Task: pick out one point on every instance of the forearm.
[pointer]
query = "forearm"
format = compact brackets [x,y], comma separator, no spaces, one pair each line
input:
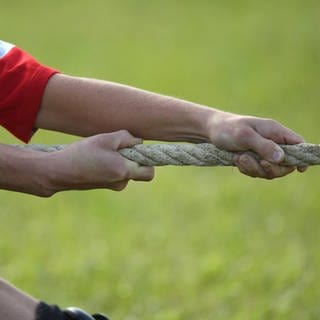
[90,163]
[86,107]
[24,170]
[14,304]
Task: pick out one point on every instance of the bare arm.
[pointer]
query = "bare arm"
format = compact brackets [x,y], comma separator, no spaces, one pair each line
[90,163]
[14,304]
[89,107]
[23,170]
[86,107]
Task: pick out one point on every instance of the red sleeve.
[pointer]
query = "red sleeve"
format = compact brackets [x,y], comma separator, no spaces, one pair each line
[22,83]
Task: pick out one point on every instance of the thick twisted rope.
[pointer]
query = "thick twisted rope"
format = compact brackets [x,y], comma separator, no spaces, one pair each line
[203,154]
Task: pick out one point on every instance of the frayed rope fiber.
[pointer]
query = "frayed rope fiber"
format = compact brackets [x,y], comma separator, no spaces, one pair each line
[202,154]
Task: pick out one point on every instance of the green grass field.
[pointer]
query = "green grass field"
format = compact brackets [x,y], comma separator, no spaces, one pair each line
[196,243]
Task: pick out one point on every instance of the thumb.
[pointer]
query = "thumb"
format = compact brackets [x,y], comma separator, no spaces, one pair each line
[126,139]
[139,173]
[118,140]
[266,149]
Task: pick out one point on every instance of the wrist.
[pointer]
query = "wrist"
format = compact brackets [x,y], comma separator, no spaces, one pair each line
[196,123]
[215,124]
[205,116]
[56,173]
[43,174]
[25,171]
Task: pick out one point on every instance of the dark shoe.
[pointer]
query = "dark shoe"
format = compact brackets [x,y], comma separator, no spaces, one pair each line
[73,313]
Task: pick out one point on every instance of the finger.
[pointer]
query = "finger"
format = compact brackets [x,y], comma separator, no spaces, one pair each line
[249,166]
[139,173]
[126,139]
[265,148]
[302,169]
[118,186]
[118,139]
[275,171]
[275,131]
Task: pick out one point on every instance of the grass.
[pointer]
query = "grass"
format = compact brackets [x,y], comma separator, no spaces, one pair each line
[215,244]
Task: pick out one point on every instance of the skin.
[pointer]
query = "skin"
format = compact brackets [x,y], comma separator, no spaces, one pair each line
[105,113]
[87,107]
[14,304]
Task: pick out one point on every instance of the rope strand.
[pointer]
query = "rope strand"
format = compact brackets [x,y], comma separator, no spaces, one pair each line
[202,154]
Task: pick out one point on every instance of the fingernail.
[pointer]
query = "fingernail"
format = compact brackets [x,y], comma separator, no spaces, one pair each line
[277,155]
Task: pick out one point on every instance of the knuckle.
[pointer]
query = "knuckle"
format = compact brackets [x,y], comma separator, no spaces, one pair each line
[121,172]
[243,133]
[264,123]
[272,172]
[267,171]
[152,173]
[245,171]
[101,139]
[256,174]
[120,186]
[268,148]
[148,173]
[269,176]
[242,170]
[271,122]
[276,124]
[124,133]
[45,193]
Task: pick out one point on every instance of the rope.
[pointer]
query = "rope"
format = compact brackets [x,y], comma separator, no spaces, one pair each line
[203,154]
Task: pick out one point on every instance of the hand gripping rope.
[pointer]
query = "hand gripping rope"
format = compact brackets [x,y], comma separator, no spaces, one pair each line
[202,154]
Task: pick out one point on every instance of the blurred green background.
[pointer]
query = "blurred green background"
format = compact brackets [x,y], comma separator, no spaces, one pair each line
[196,243]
